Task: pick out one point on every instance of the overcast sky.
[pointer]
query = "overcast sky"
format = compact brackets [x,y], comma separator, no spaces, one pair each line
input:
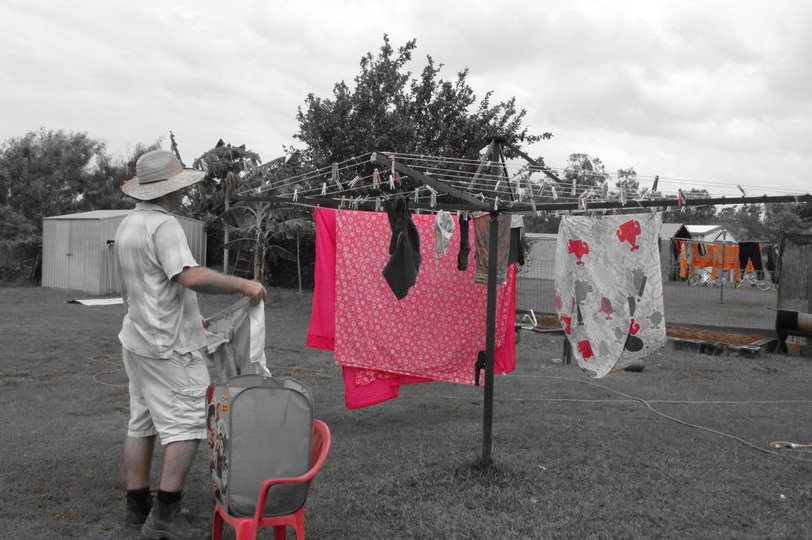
[703,94]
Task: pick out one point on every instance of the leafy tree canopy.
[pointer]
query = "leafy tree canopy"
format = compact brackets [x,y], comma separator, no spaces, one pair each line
[389,110]
[49,173]
[585,171]
[225,166]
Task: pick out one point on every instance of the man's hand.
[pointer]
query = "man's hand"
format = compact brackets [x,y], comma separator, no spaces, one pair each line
[255,291]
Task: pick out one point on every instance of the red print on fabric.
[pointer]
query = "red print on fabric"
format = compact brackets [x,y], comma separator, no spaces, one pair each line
[579,248]
[606,308]
[585,348]
[567,320]
[628,232]
[634,327]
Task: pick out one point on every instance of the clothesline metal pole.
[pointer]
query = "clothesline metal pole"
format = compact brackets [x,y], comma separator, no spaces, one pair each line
[490,341]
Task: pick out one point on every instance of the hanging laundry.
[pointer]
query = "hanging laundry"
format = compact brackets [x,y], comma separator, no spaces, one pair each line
[321,332]
[443,228]
[516,253]
[772,262]
[235,341]
[465,243]
[373,335]
[404,248]
[750,258]
[482,225]
[609,289]
[366,386]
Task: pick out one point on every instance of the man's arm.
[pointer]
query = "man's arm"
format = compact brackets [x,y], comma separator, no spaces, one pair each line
[206,280]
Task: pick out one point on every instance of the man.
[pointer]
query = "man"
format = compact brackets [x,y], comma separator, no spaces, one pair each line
[162,340]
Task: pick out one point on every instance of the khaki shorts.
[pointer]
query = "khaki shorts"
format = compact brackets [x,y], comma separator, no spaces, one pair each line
[167,396]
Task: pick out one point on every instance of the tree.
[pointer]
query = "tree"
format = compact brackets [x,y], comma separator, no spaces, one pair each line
[628,182]
[225,166]
[583,172]
[785,218]
[48,173]
[387,110]
[749,223]
[692,214]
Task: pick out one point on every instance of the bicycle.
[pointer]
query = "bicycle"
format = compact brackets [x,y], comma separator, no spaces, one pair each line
[703,277]
[751,279]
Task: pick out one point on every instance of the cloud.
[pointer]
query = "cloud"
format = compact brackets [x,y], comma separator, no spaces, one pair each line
[693,90]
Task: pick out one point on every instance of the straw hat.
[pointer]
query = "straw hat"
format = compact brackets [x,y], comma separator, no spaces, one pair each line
[157,173]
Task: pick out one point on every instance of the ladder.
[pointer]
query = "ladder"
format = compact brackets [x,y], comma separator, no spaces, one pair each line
[243,264]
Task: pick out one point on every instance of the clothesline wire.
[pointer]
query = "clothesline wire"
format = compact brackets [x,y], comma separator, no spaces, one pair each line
[522,172]
[355,161]
[510,182]
[484,182]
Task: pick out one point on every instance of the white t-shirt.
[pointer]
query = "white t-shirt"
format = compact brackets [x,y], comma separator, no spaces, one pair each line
[162,315]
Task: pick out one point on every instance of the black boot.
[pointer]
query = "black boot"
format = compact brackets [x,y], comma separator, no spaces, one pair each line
[139,503]
[166,520]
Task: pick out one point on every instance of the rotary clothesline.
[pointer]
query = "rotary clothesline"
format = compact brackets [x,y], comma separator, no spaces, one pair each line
[461,184]
[492,178]
[434,183]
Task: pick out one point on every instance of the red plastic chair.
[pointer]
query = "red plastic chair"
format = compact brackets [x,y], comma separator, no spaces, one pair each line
[246,528]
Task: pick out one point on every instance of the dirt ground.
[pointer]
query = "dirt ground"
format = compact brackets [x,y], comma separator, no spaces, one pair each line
[63,411]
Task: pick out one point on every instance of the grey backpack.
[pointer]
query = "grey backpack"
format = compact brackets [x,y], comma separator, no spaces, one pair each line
[258,428]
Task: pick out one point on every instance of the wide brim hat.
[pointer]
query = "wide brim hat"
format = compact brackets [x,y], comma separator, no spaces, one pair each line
[157,173]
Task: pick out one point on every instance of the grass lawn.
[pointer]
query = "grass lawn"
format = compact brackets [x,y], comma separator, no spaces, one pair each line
[680,450]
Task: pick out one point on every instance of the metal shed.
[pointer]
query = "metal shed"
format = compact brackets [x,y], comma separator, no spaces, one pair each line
[78,250]
[540,256]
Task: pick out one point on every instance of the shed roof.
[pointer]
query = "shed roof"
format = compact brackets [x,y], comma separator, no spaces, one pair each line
[105,214]
[670,230]
[710,233]
[94,214]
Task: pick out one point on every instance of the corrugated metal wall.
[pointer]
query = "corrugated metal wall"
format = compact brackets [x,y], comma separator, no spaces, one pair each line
[78,250]
[196,237]
[70,255]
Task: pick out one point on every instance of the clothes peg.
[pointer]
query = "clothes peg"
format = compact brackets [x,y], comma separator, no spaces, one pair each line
[744,193]
[324,188]
[417,194]
[623,196]
[295,194]
[376,178]
[395,175]
[574,185]
[555,195]
[336,178]
[354,181]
